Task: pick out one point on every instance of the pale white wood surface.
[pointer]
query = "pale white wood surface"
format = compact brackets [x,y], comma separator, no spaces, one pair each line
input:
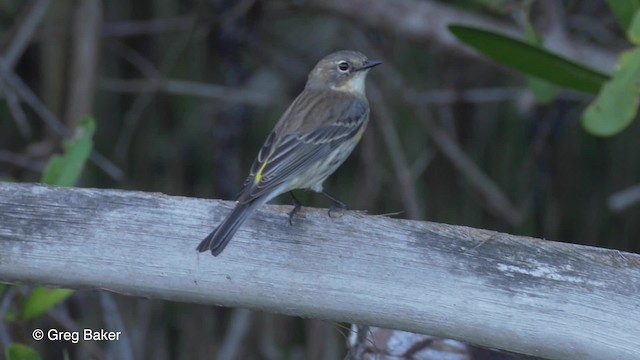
[526,295]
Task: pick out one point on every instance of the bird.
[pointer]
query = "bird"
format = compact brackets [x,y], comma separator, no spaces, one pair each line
[313,137]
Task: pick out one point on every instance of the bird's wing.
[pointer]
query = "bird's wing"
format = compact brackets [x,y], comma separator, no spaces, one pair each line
[283,157]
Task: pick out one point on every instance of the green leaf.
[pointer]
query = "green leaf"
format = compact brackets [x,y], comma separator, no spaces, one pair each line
[623,11]
[65,169]
[9,316]
[617,104]
[529,30]
[531,59]
[633,34]
[42,299]
[17,351]
[544,91]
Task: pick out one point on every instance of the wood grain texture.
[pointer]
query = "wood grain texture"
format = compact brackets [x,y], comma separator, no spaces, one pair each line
[532,296]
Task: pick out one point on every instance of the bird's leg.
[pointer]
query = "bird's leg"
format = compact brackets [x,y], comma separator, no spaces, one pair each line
[296,206]
[337,204]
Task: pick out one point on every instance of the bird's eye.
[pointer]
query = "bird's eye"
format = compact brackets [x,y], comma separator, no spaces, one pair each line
[343,66]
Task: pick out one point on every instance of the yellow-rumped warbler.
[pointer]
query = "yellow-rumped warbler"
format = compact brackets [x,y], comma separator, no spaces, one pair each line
[314,136]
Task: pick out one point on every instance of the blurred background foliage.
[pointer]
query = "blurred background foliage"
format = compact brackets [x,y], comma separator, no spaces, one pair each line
[184,93]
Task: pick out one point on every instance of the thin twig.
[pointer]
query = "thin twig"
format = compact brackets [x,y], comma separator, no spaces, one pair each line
[85,59]
[422,162]
[21,161]
[22,36]
[188,88]
[5,302]
[148,27]
[358,339]
[134,113]
[495,199]
[480,95]
[239,327]
[18,115]
[141,63]
[392,140]
[22,90]
[26,27]
[428,21]
[624,199]
[107,166]
[61,316]
[120,349]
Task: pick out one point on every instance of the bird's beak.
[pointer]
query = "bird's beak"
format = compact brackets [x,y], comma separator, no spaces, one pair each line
[369,64]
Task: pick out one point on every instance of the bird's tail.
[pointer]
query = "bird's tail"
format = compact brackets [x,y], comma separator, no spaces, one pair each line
[220,237]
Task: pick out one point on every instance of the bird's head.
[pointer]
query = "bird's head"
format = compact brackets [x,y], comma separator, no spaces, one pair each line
[344,70]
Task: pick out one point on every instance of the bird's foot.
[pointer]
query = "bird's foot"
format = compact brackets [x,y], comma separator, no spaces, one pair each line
[337,204]
[296,207]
